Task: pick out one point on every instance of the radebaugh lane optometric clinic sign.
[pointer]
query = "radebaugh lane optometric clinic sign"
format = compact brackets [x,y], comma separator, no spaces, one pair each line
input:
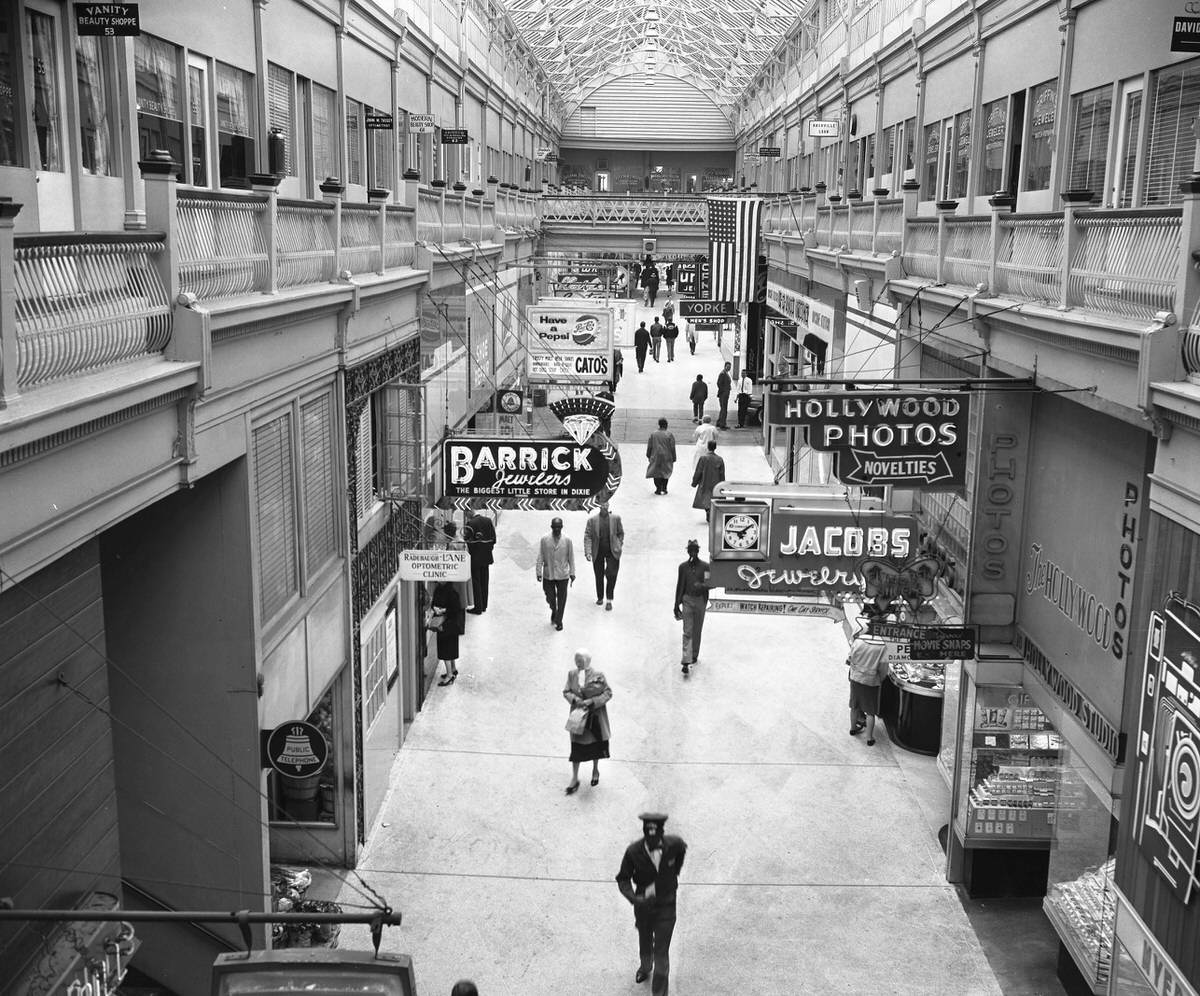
[569,344]
[560,470]
[907,439]
[816,550]
[435,565]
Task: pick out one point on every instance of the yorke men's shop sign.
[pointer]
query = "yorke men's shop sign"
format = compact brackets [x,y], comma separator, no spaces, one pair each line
[546,473]
[907,439]
[707,309]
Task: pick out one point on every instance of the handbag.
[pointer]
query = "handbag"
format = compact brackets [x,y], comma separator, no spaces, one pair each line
[577,720]
[434,621]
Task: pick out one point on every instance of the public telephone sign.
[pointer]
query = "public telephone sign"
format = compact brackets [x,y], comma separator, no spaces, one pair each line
[910,439]
[297,749]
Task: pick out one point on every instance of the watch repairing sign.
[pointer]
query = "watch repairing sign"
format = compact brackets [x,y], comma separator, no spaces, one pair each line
[553,473]
[916,439]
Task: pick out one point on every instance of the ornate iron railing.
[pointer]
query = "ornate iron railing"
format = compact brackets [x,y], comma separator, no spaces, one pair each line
[921,248]
[968,251]
[83,302]
[429,216]
[361,238]
[1190,346]
[399,236]
[304,239]
[890,226]
[1125,262]
[1029,257]
[221,248]
[634,209]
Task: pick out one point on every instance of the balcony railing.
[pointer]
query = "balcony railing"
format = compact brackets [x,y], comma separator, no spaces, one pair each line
[221,247]
[634,209]
[84,302]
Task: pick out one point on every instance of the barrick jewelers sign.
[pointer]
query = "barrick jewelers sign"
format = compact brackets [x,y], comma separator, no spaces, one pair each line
[562,471]
[907,439]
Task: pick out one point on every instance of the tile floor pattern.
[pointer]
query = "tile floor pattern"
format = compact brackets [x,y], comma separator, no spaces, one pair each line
[813,863]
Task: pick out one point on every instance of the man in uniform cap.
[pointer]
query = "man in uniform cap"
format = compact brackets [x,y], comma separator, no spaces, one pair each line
[649,878]
[691,602]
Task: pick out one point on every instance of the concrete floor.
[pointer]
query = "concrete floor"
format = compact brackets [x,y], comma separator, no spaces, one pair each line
[813,863]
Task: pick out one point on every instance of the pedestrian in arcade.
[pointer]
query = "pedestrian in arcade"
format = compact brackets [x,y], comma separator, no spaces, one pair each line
[555,569]
[641,345]
[656,336]
[446,607]
[649,879]
[709,472]
[724,386]
[744,396]
[698,395]
[691,337]
[668,311]
[603,541]
[670,334]
[702,435]
[480,534]
[868,669]
[587,689]
[691,602]
[660,456]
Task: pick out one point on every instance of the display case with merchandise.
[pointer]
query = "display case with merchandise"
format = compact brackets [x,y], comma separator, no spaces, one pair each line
[1080,898]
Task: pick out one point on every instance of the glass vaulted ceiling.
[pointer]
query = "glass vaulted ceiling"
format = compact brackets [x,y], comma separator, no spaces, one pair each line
[718,45]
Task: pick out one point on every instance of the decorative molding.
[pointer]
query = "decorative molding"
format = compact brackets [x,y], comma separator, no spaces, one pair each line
[19,454]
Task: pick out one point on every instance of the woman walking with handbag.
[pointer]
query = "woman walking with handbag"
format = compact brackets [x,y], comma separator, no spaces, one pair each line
[448,620]
[588,693]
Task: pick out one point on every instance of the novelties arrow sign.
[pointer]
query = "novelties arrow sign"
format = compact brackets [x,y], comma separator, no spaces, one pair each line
[869,467]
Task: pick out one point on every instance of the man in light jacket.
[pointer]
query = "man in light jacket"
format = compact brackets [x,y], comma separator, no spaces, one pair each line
[603,540]
[555,569]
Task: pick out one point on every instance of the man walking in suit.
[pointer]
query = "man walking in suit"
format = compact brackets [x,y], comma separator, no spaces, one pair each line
[724,386]
[649,879]
[556,569]
[480,535]
[691,603]
[603,539]
[641,344]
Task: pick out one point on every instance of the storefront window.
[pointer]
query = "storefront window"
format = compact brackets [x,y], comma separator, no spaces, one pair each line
[47,103]
[10,148]
[910,149]
[354,153]
[995,146]
[929,171]
[93,75]
[962,155]
[198,124]
[380,158]
[1172,143]
[324,135]
[159,100]
[1039,151]
[1080,901]
[235,94]
[1091,115]
[311,799]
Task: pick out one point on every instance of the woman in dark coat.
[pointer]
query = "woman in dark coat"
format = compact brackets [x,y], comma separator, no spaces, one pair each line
[710,471]
[587,688]
[447,603]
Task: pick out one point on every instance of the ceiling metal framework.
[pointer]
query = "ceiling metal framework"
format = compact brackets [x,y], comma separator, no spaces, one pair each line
[719,45]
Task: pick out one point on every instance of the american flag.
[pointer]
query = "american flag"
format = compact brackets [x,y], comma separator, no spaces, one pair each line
[733,246]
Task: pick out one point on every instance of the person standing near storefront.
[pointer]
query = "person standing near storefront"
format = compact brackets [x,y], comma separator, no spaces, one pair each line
[660,456]
[744,396]
[649,879]
[480,535]
[724,386]
[603,541]
[555,569]
[691,603]
[868,669]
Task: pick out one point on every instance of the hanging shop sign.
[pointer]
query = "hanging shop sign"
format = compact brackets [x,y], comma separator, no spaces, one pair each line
[556,474]
[573,344]
[111,20]
[435,565]
[769,151]
[509,401]
[379,121]
[1185,33]
[807,312]
[824,129]
[454,136]
[752,159]
[805,550]
[928,643]
[583,415]
[296,749]
[1166,823]
[780,607]
[421,124]
[541,155]
[708,309]
[884,437]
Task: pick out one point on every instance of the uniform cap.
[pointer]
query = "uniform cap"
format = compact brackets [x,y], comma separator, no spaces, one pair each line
[659,818]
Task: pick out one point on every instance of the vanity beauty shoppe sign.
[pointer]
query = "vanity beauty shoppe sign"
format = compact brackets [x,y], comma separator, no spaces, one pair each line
[782,548]
[911,439]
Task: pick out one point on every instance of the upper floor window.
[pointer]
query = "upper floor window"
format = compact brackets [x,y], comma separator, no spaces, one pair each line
[10,144]
[156,66]
[94,79]
[1091,120]
[1039,145]
[235,125]
[354,142]
[323,107]
[46,95]
[995,147]
[1171,143]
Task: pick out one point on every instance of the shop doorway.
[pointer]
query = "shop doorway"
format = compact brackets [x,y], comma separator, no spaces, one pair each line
[52,145]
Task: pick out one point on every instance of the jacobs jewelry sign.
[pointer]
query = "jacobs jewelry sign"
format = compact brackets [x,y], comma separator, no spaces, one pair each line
[907,439]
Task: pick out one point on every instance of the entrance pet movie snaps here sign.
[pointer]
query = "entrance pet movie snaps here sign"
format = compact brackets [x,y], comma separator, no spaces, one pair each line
[556,474]
[910,439]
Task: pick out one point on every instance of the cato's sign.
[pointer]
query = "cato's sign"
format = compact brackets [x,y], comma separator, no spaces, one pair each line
[570,344]
[537,473]
[906,439]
